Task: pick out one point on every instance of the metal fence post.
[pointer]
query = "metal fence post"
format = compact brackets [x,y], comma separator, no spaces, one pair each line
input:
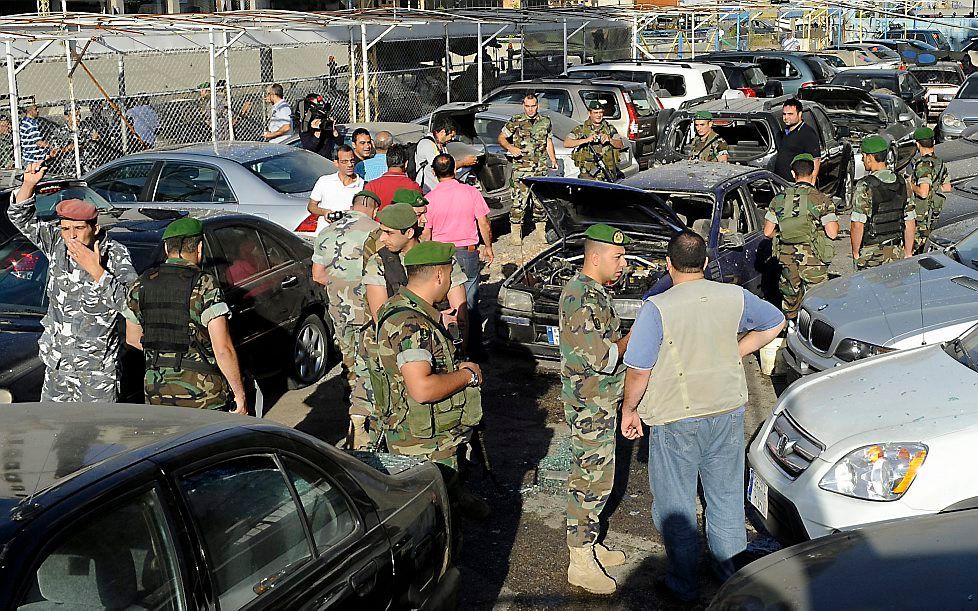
[634,38]
[692,35]
[227,83]
[448,69]
[123,103]
[14,119]
[740,17]
[478,62]
[366,73]
[352,87]
[213,74]
[73,107]
[522,52]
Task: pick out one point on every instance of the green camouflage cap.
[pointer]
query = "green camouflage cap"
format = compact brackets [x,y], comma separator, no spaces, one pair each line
[923,133]
[703,115]
[803,157]
[873,144]
[429,253]
[368,193]
[595,105]
[607,234]
[398,216]
[183,228]
[409,196]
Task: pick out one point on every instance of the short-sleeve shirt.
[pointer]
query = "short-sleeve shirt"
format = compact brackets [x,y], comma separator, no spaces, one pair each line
[281,115]
[531,137]
[801,139]
[30,133]
[373,272]
[426,152]
[388,184]
[453,209]
[372,167]
[339,248]
[333,195]
[862,198]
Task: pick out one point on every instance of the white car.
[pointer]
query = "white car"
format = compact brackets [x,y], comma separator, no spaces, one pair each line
[883,438]
[674,82]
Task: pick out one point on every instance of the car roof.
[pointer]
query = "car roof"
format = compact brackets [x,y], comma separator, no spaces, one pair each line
[240,152]
[684,65]
[570,82]
[743,105]
[865,72]
[689,176]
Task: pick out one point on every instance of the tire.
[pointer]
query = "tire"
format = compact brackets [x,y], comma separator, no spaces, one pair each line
[848,185]
[310,352]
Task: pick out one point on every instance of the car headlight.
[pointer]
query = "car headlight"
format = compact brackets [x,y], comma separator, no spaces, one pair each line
[949,120]
[850,350]
[515,300]
[880,472]
[6,396]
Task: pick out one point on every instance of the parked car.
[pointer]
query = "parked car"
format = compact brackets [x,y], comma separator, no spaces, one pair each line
[793,70]
[927,564]
[960,155]
[865,114]
[883,52]
[961,111]
[750,79]
[903,45]
[753,129]
[673,82]
[941,81]
[934,38]
[722,202]
[139,507]
[630,107]
[278,322]
[848,59]
[897,82]
[272,181]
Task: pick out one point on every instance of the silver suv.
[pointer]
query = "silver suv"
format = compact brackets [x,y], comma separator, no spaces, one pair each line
[630,107]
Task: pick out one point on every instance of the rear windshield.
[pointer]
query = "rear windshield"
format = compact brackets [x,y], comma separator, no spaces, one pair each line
[662,85]
[50,196]
[643,103]
[821,70]
[608,100]
[937,76]
[754,77]
[714,81]
[866,82]
[884,52]
[292,172]
[834,61]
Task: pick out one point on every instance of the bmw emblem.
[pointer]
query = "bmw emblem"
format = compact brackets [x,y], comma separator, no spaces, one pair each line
[822,307]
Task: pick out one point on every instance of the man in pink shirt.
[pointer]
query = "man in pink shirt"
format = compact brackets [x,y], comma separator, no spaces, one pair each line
[458,214]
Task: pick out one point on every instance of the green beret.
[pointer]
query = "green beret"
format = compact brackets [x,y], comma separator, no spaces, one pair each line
[873,144]
[608,234]
[398,216]
[430,253]
[595,105]
[186,227]
[923,133]
[803,157]
[409,196]
[367,193]
[204,85]
[703,115]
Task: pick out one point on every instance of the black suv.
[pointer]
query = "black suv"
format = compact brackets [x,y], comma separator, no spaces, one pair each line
[749,78]
[753,129]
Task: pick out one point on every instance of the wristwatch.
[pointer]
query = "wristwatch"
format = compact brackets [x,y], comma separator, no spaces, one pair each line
[474,380]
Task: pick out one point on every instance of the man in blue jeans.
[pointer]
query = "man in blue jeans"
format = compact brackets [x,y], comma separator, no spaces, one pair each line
[686,381]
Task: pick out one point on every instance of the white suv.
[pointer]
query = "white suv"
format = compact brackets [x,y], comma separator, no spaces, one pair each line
[674,82]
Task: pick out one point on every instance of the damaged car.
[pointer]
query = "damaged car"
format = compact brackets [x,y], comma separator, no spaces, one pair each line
[722,202]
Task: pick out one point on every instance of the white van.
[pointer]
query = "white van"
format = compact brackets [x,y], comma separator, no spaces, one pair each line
[674,82]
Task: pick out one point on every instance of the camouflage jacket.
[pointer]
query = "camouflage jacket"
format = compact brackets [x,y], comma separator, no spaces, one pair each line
[590,367]
[82,324]
[821,210]
[339,248]
[929,170]
[530,136]
[186,388]
[710,148]
[582,155]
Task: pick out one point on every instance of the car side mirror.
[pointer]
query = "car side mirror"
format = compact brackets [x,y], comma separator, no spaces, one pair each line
[733,240]
[843,131]
[904,118]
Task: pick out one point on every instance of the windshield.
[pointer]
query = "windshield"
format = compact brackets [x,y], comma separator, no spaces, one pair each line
[965,348]
[292,172]
[937,76]
[968,91]
[23,270]
[865,81]
[966,251]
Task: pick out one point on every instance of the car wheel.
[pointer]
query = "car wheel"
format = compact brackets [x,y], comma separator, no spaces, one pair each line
[310,352]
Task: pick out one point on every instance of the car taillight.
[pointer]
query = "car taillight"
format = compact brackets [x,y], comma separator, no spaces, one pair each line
[24,267]
[902,67]
[749,92]
[632,121]
[309,225]
[808,84]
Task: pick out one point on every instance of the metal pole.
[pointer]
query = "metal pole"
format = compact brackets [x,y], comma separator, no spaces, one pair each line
[522,51]
[227,84]
[567,61]
[352,87]
[213,74]
[121,67]
[478,65]
[73,107]
[739,19]
[634,39]
[692,35]
[366,73]
[14,119]
[448,69]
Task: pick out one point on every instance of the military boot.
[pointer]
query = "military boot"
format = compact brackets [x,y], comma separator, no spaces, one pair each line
[516,234]
[541,231]
[585,572]
[608,557]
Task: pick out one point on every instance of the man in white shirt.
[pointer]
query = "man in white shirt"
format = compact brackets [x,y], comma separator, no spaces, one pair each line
[334,192]
[280,121]
[443,131]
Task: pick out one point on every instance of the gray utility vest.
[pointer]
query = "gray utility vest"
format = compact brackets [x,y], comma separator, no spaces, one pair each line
[885,224]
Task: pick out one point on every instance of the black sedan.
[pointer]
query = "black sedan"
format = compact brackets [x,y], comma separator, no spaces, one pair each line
[278,321]
[140,507]
[899,82]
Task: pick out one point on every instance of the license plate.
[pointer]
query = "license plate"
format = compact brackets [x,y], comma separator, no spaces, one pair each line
[757,493]
[553,335]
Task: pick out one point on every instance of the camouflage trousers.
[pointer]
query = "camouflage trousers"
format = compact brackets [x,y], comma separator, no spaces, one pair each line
[354,353]
[875,255]
[72,386]
[441,449]
[592,471]
[520,196]
[799,272]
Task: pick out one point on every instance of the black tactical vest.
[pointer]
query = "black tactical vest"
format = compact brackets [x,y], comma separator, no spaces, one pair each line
[394,273]
[164,304]
[885,224]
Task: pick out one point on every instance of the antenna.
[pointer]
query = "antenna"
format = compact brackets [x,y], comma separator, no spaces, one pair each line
[920,295]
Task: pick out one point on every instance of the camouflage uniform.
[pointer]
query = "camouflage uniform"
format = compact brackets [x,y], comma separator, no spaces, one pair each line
[582,155]
[801,267]
[80,342]
[184,387]
[339,248]
[709,148]
[929,170]
[593,383]
[432,431]
[530,136]
[873,255]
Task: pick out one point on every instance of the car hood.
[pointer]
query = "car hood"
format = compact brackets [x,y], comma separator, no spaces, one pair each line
[883,305]
[882,393]
[963,108]
[949,234]
[839,101]
[561,197]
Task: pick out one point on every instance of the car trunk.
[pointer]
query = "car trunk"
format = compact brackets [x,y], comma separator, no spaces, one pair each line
[848,106]
[493,170]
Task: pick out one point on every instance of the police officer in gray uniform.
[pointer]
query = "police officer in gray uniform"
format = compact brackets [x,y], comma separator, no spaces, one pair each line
[88,276]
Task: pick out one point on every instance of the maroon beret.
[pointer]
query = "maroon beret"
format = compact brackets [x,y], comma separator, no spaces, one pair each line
[76,210]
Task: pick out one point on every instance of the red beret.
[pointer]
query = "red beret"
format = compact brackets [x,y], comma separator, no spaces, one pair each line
[76,210]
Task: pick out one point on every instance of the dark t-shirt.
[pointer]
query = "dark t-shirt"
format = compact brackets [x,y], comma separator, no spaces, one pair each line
[802,139]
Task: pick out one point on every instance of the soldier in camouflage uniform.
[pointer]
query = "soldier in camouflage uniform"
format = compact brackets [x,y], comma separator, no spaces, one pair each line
[596,136]
[177,316]
[928,184]
[527,138]
[801,221]
[592,373]
[338,265]
[708,145]
[883,217]
[88,275]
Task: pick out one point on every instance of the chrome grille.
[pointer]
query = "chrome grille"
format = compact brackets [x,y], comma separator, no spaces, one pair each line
[791,447]
[804,323]
[971,121]
[821,335]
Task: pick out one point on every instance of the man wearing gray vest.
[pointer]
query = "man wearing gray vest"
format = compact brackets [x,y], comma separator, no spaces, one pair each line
[686,381]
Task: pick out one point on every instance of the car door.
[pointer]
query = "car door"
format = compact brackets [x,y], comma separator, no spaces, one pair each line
[834,159]
[192,184]
[124,183]
[737,238]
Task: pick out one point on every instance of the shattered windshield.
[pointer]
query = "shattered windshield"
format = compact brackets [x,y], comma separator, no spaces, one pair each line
[964,349]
